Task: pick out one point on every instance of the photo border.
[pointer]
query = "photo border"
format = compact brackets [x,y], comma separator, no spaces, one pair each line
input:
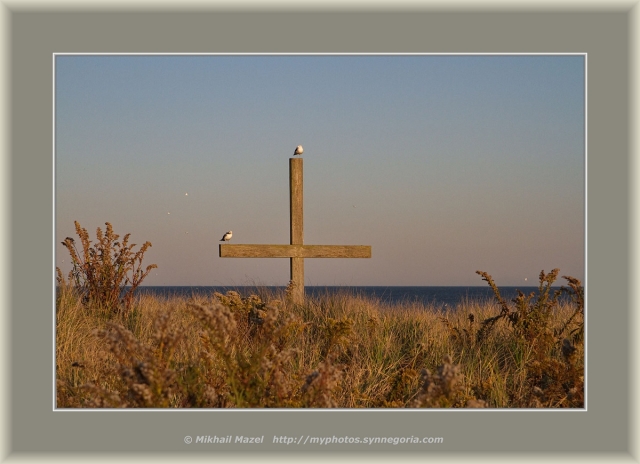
[31,426]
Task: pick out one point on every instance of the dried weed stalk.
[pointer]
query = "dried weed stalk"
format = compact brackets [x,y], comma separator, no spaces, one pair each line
[102,272]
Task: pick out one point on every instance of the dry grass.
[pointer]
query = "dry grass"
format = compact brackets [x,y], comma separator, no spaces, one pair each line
[340,350]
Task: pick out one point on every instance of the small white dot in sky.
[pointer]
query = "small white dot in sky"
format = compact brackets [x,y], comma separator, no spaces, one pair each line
[168,213]
[186,194]
[525,278]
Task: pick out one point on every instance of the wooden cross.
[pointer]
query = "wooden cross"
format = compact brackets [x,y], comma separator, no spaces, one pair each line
[296,251]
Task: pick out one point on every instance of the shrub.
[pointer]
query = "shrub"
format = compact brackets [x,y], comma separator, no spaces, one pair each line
[554,372]
[101,272]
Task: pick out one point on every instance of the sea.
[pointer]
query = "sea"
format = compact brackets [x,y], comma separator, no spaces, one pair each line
[444,297]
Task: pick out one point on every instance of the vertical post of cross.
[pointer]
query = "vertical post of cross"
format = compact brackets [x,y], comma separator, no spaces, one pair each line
[296,227]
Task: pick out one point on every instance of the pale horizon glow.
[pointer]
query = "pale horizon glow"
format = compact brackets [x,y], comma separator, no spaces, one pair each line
[444,164]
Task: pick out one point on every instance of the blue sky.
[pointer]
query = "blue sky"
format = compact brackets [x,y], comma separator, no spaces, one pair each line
[443,164]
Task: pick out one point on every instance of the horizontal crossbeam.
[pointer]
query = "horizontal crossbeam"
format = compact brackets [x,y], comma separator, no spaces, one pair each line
[295,251]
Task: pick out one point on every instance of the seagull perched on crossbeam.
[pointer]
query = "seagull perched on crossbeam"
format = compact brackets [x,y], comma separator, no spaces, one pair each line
[299,150]
[226,237]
